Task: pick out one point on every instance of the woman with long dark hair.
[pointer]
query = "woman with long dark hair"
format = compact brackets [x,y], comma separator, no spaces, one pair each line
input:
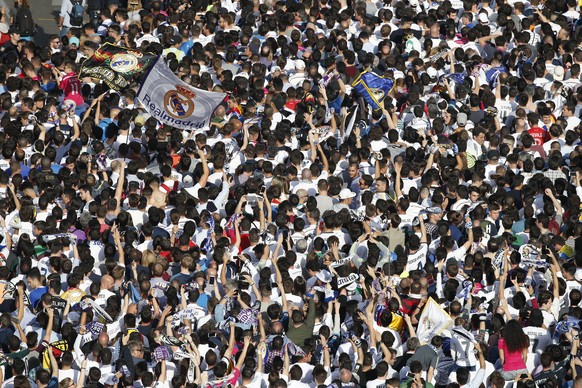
[513,346]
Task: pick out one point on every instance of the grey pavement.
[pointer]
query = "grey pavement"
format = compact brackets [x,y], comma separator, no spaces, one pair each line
[45,14]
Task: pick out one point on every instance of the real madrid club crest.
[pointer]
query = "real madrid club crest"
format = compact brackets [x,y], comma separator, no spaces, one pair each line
[377,93]
[179,103]
[428,323]
[124,62]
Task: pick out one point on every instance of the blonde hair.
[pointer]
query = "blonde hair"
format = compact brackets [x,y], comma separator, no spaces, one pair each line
[282,183]
[148,257]
[66,382]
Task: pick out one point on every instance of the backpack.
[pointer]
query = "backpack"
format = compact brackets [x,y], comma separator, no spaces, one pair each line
[76,14]
[24,22]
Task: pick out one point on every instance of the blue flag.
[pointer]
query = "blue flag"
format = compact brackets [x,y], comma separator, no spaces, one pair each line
[373,88]
[457,78]
[493,74]
[208,244]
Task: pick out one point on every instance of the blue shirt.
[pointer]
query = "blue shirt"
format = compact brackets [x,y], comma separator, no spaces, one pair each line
[36,295]
[182,278]
[337,103]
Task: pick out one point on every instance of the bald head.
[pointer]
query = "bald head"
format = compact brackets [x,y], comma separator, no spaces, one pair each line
[302,194]
[306,174]
[220,111]
[103,339]
[107,282]
[276,328]
[236,124]
[345,375]
[132,309]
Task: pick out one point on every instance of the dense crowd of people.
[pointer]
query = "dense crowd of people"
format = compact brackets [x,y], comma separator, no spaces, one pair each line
[308,235]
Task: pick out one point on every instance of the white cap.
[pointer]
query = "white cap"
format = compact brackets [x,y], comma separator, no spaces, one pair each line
[188,181]
[299,64]
[398,74]
[324,276]
[346,194]
[559,73]
[432,73]
[483,18]
[69,105]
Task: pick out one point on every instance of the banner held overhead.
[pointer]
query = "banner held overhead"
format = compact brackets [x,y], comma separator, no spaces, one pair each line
[173,102]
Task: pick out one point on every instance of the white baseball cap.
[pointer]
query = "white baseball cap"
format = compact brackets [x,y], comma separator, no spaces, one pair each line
[346,194]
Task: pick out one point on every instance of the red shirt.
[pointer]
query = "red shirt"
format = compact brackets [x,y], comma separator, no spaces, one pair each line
[540,135]
[71,86]
[4,38]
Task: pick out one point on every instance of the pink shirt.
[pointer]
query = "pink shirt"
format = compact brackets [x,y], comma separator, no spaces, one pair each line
[514,360]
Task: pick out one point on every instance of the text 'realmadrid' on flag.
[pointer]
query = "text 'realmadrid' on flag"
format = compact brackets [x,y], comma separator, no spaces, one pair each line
[173,102]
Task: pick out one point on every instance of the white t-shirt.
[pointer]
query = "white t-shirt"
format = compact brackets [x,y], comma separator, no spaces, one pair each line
[417,260]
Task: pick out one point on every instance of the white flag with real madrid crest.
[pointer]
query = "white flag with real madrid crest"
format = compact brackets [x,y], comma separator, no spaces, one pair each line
[175,103]
[433,321]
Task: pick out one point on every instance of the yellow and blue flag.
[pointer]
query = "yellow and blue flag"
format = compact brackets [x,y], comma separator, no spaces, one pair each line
[373,88]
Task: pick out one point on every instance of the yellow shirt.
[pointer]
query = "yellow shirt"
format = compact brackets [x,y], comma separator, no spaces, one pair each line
[73,295]
[397,323]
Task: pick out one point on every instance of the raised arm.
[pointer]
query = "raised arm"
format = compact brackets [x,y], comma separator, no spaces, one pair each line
[326,358]
[223,269]
[423,239]
[555,202]
[286,361]
[205,170]
[119,188]
[467,245]
[76,129]
[231,341]
[323,157]
[267,203]
[163,371]
[278,275]
[450,90]
[237,234]
[398,181]
[245,137]
[81,379]
[49,329]
[54,363]
[243,355]
[118,246]
[409,326]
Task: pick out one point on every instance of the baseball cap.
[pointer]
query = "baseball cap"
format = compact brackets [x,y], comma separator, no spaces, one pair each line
[413,3]
[324,276]
[299,64]
[493,155]
[462,119]
[275,68]
[74,40]
[432,73]
[558,73]
[346,193]
[483,18]
[69,105]
[187,181]
[139,121]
